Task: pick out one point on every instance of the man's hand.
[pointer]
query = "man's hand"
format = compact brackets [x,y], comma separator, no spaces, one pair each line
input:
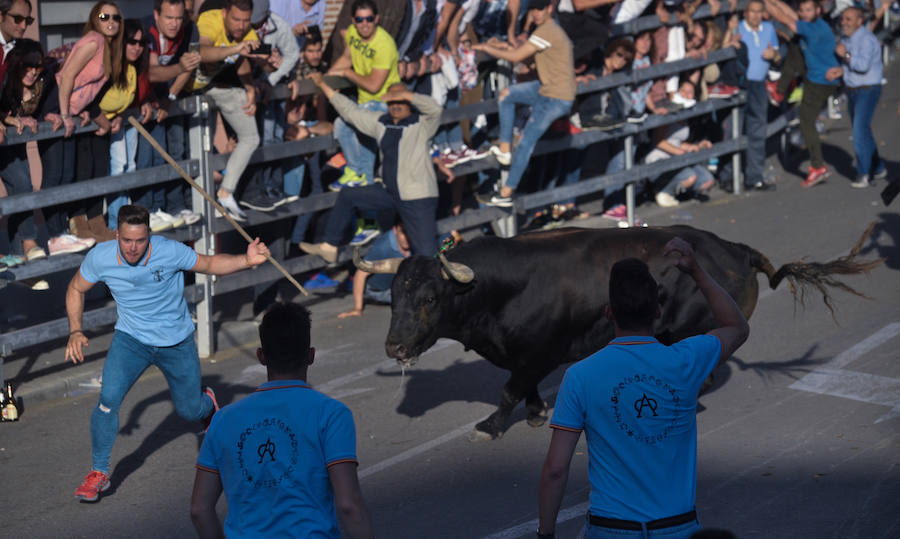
[26,121]
[162,111]
[189,61]
[74,352]
[246,48]
[840,50]
[146,112]
[686,262]
[299,29]
[348,314]
[834,73]
[275,59]
[397,94]
[115,125]
[256,253]
[103,124]
[294,87]
[704,144]
[768,53]
[70,125]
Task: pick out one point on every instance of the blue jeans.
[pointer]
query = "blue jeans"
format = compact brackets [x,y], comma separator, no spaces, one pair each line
[17,179]
[752,120]
[126,360]
[293,184]
[681,531]
[701,174]
[359,150]
[450,136]
[862,103]
[543,111]
[122,153]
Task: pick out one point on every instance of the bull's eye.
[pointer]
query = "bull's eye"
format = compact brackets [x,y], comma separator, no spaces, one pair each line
[429,300]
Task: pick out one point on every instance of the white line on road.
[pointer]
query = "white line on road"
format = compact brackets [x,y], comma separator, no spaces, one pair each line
[528,528]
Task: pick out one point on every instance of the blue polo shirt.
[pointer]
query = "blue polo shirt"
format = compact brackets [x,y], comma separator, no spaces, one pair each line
[817,43]
[272,451]
[756,42]
[636,401]
[149,295]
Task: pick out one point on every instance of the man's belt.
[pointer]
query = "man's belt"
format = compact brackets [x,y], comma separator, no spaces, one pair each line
[667,522]
[858,88]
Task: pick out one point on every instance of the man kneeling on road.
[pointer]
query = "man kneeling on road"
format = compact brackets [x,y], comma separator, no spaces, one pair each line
[144,275]
[636,400]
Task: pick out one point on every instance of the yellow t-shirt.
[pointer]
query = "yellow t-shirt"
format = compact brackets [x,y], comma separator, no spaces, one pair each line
[379,53]
[117,99]
[211,25]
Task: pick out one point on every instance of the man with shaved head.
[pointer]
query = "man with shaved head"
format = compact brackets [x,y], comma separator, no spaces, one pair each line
[859,53]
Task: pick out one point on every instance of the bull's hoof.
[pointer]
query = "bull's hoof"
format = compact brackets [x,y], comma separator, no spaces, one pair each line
[479,436]
[484,431]
[537,418]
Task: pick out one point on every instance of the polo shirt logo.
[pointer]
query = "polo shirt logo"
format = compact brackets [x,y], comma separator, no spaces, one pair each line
[643,402]
[363,48]
[266,448]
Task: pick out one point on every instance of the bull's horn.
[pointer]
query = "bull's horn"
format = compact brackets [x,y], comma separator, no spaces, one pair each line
[388,265]
[460,273]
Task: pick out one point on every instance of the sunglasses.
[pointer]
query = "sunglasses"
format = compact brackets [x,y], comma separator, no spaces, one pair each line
[367,18]
[106,16]
[18,19]
[140,42]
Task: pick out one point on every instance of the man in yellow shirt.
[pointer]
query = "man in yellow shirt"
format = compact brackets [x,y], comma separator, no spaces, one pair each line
[227,42]
[369,61]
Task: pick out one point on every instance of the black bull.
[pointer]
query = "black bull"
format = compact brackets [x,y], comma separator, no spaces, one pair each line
[531,303]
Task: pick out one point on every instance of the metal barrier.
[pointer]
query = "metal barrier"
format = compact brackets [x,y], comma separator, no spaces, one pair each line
[202,162]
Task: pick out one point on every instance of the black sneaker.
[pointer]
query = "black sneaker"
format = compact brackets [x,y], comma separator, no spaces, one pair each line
[259,202]
[636,117]
[602,122]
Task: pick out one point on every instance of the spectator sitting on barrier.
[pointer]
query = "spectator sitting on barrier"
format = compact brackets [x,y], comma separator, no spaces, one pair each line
[96,58]
[606,109]
[123,143]
[811,60]
[409,186]
[170,31]
[24,95]
[227,42]
[672,140]
[369,61]
[376,287]
[550,97]
[419,22]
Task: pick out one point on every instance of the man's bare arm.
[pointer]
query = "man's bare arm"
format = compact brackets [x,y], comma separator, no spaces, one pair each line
[554,476]
[207,489]
[348,500]
[78,287]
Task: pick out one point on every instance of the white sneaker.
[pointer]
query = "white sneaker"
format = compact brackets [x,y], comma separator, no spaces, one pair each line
[160,220]
[189,217]
[235,211]
[67,243]
[666,200]
[504,158]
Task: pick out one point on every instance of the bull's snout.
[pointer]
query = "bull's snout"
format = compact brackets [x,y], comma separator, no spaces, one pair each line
[395,350]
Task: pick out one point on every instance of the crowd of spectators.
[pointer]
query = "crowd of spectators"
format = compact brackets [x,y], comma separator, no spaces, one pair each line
[394,157]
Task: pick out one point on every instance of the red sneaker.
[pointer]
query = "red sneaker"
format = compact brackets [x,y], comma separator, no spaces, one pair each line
[816,175]
[775,97]
[722,91]
[208,419]
[90,489]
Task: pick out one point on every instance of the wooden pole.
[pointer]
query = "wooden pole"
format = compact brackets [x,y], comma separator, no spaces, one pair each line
[208,197]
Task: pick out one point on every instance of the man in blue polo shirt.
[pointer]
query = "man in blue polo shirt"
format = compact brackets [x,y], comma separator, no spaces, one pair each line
[636,401]
[285,455]
[817,47]
[144,273]
[861,67]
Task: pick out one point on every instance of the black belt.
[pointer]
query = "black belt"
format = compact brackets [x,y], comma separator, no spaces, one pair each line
[667,522]
[857,88]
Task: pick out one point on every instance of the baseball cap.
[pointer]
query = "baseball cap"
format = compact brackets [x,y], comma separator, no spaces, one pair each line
[260,11]
[538,4]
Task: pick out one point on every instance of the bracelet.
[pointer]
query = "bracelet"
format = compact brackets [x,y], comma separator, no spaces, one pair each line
[76,331]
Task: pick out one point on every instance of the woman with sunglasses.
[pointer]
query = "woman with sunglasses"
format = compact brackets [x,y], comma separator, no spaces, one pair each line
[116,99]
[95,58]
[21,100]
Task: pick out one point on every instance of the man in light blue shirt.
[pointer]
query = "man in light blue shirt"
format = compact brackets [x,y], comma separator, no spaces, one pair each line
[859,52]
[636,401]
[145,275]
[762,48]
[301,15]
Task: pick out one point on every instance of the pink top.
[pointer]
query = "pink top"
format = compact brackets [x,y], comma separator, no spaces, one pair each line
[91,78]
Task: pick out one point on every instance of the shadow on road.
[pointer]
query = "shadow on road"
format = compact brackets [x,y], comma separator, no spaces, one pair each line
[889,226]
[172,427]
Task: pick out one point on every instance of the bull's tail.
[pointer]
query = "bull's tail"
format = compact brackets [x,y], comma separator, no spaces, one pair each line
[801,275]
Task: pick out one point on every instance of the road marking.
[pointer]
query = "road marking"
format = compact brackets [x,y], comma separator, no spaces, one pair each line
[528,528]
[427,446]
[835,380]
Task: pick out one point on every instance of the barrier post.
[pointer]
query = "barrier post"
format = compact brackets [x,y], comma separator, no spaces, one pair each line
[200,144]
[736,158]
[629,187]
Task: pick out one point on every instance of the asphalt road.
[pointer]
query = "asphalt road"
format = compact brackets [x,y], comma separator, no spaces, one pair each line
[800,437]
